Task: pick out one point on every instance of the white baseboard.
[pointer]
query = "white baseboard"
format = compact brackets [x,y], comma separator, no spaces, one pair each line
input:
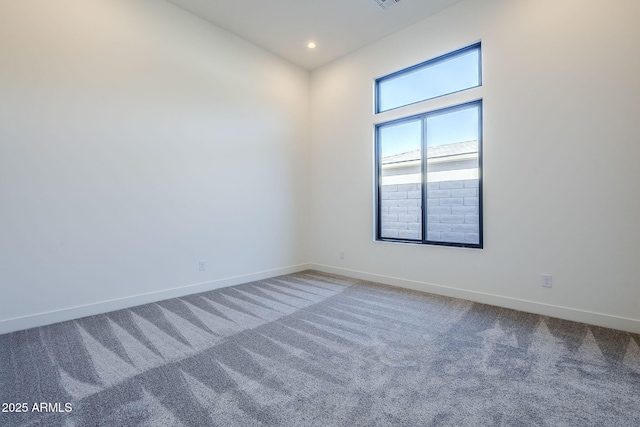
[41,319]
[599,319]
[591,318]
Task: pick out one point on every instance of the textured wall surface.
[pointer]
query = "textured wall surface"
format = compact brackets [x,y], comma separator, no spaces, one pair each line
[452,209]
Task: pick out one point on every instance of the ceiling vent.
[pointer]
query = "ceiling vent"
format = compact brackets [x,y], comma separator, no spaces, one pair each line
[386,4]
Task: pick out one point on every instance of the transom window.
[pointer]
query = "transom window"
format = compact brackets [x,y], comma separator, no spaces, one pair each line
[446,74]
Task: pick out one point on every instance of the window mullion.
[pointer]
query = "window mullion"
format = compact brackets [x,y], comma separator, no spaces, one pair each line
[425,189]
[378,157]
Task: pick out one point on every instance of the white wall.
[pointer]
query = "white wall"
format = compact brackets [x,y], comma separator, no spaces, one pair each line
[136,140]
[561,122]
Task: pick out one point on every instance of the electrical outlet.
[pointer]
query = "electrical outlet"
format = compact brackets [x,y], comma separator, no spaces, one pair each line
[547,281]
[341,254]
[201,265]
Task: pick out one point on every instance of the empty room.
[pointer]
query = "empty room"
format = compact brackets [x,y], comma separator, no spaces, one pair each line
[319,213]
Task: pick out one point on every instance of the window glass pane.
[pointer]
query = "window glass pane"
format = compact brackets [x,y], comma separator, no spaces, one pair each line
[438,77]
[453,214]
[401,180]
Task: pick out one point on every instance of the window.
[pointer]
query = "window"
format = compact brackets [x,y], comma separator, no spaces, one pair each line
[453,72]
[429,173]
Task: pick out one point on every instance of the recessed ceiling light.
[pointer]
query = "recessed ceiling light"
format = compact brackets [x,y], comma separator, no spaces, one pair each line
[311,45]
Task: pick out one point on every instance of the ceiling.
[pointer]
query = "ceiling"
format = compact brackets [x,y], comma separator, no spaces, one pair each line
[338,27]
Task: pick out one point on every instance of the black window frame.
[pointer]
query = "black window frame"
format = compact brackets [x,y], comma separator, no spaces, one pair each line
[475,46]
[424,183]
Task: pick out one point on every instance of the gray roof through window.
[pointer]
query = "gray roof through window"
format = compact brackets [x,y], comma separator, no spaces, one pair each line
[436,151]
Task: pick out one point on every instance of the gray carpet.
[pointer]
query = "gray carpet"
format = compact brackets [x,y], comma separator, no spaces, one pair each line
[311,349]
